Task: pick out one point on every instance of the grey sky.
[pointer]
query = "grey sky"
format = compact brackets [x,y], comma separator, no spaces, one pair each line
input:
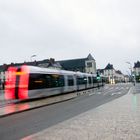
[65,29]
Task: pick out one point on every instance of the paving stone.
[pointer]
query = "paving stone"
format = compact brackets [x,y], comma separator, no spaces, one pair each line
[116,120]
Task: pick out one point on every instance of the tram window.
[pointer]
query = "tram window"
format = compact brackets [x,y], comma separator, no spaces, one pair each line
[85,80]
[61,81]
[81,80]
[89,80]
[36,81]
[57,80]
[70,81]
[48,79]
[94,80]
[40,81]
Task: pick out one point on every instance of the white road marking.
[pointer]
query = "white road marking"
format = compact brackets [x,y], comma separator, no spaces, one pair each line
[91,94]
[116,93]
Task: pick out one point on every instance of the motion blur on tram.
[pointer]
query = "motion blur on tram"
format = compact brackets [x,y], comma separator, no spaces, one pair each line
[28,82]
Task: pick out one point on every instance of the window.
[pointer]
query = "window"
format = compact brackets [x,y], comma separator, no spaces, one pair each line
[40,81]
[94,80]
[89,80]
[89,64]
[70,81]
[81,80]
[57,80]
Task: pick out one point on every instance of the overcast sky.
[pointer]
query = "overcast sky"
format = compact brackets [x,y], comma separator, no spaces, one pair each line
[68,29]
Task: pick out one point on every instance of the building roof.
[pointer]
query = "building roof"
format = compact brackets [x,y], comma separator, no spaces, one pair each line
[137,64]
[100,70]
[90,57]
[42,63]
[119,72]
[75,63]
[71,64]
[109,67]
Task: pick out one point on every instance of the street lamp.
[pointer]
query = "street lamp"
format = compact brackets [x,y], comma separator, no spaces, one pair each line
[32,57]
[131,69]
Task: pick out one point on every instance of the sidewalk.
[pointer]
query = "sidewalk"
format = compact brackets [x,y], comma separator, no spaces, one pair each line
[116,120]
[2,99]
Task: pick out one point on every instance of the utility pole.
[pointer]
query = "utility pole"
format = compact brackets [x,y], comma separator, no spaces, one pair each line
[132,77]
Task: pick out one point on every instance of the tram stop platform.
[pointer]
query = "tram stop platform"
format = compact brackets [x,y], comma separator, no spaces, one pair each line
[115,120]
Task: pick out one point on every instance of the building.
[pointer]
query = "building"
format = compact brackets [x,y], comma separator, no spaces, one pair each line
[49,63]
[119,77]
[46,63]
[109,73]
[137,71]
[113,76]
[87,64]
[126,78]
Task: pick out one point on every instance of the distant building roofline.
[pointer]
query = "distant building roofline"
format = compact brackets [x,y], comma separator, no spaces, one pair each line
[137,64]
[109,67]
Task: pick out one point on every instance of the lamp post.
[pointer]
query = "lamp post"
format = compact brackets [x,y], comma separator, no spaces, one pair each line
[131,69]
[32,57]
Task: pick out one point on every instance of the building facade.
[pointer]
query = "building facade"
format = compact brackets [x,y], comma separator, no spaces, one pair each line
[136,70]
[87,64]
[113,76]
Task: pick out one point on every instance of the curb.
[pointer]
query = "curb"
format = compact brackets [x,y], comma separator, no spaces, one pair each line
[33,103]
[47,101]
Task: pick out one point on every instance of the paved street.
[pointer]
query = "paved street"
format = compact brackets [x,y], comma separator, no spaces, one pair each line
[70,70]
[115,120]
[77,118]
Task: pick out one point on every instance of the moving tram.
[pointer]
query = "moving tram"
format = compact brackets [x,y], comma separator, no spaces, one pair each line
[26,82]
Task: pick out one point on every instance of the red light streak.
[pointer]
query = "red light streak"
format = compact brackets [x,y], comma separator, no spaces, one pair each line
[10,83]
[23,83]
[16,108]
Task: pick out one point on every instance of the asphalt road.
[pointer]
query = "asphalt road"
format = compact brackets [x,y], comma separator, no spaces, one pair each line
[20,125]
